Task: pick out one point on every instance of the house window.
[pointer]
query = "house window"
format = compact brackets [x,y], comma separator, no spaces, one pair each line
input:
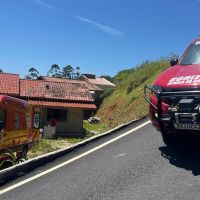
[58,114]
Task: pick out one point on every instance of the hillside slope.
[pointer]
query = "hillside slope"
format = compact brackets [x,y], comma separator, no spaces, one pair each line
[126,102]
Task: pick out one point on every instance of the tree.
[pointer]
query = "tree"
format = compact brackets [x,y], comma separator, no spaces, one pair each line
[71,73]
[55,71]
[1,71]
[68,72]
[33,74]
[77,73]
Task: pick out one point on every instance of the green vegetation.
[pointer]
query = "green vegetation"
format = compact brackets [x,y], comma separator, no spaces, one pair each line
[67,72]
[33,74]
[92,129]
[126,102]
[48,145]
[9,159]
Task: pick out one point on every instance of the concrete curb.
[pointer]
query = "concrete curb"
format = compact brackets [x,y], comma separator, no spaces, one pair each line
[29,165]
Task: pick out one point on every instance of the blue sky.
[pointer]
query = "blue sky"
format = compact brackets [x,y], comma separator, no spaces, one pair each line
[100,36]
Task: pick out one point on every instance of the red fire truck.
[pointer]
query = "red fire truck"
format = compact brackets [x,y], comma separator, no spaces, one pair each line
[174,97]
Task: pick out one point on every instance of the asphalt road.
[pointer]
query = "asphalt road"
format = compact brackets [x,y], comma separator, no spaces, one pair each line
[138,166]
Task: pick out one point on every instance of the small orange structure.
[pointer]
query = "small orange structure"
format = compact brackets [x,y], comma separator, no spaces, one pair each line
[19,127]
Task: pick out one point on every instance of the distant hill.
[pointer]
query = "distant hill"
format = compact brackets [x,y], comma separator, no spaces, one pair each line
[126,102]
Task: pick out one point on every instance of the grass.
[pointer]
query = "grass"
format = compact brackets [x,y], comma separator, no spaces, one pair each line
[48,145]
[94,128]
[127,102]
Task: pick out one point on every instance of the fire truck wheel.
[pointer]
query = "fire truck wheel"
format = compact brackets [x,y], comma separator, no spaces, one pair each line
[24,152]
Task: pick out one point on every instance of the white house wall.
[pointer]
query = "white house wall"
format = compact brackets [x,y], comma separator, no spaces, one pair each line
[73,127]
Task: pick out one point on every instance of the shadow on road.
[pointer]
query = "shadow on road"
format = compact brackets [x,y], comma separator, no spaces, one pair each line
[184,153]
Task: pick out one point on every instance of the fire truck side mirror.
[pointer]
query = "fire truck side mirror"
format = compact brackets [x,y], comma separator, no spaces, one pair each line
[174,62]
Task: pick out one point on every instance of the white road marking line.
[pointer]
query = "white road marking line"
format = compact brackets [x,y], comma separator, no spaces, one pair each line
[72,160]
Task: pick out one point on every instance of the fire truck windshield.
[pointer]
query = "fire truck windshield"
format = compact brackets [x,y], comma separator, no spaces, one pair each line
[192,55]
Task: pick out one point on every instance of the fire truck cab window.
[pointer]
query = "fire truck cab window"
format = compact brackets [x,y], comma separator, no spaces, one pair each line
[192,55]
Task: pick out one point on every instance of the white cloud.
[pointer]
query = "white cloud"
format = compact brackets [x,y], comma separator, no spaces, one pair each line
[102,27]
[41,3]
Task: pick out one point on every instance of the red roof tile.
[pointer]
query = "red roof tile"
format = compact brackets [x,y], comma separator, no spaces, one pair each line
[54,79]
[62,104]
[9,84]
[55,90]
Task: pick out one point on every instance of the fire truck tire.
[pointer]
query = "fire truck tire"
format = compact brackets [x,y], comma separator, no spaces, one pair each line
[24,152]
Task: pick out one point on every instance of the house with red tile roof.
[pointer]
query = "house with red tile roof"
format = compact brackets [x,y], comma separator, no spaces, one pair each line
[61,104]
